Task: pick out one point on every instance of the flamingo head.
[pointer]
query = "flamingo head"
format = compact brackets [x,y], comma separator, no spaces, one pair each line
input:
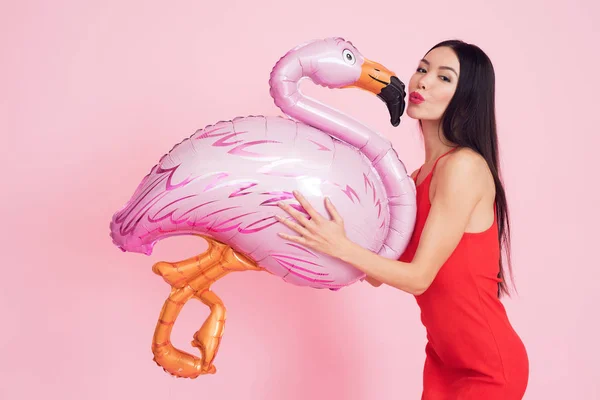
[337,63]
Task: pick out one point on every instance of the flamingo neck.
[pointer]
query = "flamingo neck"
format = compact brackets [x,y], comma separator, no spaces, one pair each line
[285,82]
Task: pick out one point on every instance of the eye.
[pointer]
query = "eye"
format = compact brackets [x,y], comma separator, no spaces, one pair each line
[445,78]
[349,57]
[422,70]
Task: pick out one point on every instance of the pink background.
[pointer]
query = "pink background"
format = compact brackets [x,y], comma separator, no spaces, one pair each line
[94,92]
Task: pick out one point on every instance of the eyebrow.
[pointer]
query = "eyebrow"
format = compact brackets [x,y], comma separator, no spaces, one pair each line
[424,61]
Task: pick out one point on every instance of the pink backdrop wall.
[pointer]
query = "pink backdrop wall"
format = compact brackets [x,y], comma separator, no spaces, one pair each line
[94,92]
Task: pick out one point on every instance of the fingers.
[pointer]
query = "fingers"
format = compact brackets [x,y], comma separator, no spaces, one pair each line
[298,216]
[297,239]
[293,226]
[335,215]
[307,206]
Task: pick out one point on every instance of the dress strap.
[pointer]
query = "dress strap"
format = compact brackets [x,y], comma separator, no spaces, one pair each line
[418,172]
[434,164]
[440,157]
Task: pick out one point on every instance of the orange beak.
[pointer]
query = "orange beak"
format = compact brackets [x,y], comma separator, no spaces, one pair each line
[373,77]
[379,80]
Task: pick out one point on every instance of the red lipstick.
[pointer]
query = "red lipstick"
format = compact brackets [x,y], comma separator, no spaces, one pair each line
[416,98]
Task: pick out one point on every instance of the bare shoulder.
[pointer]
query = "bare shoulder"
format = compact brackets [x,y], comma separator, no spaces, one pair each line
[463,163]
[464,170]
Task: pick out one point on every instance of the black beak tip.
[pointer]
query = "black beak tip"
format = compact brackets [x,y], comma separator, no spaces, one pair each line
[394,97]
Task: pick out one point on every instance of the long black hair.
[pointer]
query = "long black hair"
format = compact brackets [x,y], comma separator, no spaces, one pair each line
[470,121]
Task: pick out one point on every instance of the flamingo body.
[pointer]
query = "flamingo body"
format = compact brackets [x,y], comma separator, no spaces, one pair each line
[226,179]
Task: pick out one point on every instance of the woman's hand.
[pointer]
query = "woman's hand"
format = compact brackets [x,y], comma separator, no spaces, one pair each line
[319,233]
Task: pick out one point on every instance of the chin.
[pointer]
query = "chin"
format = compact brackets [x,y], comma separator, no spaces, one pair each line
[412,112]
[420,114]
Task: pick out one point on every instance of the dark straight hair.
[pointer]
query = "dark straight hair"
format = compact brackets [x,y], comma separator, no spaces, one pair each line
[470,121]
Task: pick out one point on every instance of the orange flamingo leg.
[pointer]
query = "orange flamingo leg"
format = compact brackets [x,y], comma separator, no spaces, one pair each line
[193,278]
[208,338]
[177,274]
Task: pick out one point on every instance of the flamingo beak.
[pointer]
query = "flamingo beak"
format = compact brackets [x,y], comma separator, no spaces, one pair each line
[381,81]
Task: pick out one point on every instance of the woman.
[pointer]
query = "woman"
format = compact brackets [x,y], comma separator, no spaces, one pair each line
[453,264]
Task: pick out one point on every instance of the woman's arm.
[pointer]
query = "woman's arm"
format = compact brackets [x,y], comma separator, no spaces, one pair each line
[460,186]
[373,282]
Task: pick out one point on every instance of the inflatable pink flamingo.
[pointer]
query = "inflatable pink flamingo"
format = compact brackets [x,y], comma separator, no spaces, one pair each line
[223,184]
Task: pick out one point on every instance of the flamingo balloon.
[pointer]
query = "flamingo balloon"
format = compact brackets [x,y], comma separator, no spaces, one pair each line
[223,184]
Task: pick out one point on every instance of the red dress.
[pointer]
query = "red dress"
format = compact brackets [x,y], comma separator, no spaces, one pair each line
[472,351]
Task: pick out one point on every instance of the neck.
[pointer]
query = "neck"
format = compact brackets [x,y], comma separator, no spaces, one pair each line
[435,140]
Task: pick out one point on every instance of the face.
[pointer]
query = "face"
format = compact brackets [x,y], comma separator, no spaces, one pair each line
[433,84]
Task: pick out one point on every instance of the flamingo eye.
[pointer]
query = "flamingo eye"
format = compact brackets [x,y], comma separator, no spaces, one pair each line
[349,57]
